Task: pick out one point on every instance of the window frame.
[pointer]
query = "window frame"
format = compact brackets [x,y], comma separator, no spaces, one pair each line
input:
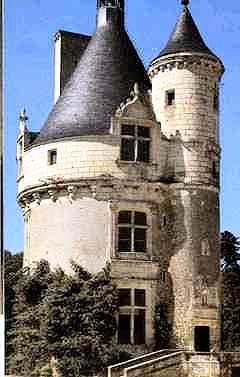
[131,311]
[167,97]
[136,139]
[50,155]
[123,205]
[133,227]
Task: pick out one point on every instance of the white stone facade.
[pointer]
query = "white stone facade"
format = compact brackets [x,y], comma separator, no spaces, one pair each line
[71,203]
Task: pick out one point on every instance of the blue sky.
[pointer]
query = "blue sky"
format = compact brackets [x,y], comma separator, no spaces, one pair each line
[29,29]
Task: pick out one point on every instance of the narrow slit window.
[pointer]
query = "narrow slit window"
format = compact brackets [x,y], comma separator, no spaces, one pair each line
[214,169]
[170,97]
[52,157]
[216,98]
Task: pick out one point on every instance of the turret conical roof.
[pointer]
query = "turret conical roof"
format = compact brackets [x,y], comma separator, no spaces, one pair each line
[102,80]
[186,37]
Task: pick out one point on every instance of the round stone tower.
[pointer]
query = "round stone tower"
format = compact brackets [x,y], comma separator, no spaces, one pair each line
[185,93]
[89,180]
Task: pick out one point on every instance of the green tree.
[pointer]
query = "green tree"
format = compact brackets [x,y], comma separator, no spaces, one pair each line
[12,266]
[30,351]
[230,247]
[230,292]
[68,319]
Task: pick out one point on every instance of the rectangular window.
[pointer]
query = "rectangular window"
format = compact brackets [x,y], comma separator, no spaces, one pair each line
[124,296]
[52,157]
[132,316]
[139,297]
[135,143]
[170,97]
[132,232]
[139,327]
[216,98]
[124,329]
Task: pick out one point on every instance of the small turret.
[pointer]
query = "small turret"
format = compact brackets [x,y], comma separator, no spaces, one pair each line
[110,12]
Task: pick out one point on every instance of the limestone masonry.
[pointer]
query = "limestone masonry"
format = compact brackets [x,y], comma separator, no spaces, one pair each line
[126,170]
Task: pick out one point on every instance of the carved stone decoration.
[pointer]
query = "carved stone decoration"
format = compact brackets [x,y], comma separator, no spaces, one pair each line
[94,190]
[52,194]
[135,95]
[72,191]
[205,247]
[37,198]
[202,291]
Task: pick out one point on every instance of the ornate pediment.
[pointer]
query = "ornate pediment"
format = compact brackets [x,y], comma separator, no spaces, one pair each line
[138,105]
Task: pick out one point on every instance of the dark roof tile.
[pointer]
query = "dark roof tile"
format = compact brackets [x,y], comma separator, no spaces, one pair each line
[102,80]
[186,37]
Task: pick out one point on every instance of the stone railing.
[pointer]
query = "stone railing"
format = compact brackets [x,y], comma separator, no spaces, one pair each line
[153,363]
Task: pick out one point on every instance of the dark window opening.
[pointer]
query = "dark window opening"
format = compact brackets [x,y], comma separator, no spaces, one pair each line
[139,327]
[202,339]
[127,150]
[132,232]
[164,220]
[125,217]
[216,98]
[52,157]
[140,244]
[132,316]
[124,329]
[170,97]
[163,276]
[140,218]
[124,296]
[124,240]
[143,152]
[135,143]
[236,372]
[139,297]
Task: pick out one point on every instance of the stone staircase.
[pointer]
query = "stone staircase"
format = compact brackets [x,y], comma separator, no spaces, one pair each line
[164,363]
[178,363]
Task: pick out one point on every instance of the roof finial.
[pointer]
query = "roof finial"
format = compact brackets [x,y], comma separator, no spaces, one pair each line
[23,120]
[185,2]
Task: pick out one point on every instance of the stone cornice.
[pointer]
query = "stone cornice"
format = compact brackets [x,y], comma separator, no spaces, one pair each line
[95,188]
[185,61]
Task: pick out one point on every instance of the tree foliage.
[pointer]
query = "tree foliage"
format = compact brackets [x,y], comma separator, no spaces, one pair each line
[12,265]
[230,292]
[230,251]
[66,318]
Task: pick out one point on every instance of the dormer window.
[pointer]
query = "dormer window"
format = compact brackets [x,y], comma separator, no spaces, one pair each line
[135,143]
[52,157]
[170,97]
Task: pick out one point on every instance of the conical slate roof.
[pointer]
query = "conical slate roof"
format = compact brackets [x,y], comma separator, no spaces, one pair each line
[186,37]
[102,80]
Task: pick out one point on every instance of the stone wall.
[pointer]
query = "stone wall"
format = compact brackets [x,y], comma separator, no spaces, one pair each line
[90,156]
[193,118]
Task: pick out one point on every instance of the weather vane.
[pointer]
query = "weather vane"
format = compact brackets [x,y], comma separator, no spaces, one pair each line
[185,2]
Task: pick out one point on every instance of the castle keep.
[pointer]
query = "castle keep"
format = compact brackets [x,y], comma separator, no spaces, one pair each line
[126,170]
